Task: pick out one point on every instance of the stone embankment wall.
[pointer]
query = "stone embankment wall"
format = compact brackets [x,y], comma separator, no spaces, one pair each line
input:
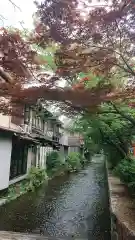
[120,231]
[122,209]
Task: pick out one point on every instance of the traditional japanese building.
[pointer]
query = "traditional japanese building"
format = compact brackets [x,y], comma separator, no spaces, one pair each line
[25,142]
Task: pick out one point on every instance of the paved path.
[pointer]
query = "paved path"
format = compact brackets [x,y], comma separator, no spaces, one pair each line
[20,236]
[23,236]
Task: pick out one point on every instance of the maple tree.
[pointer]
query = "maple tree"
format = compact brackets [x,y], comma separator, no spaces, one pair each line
[103,38]
[97,42]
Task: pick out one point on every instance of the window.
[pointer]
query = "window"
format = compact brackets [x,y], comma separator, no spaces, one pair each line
[26,114]
[34,151]
[73,149]
[38,151]
[42,125]
[56,130]
[39,123]
[36,122]
[33,118]
[19,154]
[49,126]
[45,127]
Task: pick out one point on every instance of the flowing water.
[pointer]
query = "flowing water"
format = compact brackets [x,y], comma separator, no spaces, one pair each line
[70,206]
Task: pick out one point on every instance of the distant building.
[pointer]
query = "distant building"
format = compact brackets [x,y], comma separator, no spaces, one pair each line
[70,143]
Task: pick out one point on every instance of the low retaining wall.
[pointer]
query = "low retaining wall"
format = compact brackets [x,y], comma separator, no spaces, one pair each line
[122,211]
[119,230]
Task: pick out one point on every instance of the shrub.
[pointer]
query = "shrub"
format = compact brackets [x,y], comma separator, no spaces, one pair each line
[54,160]
[83,160]
[35,178]
[126,171]
[74,160]
[113,157]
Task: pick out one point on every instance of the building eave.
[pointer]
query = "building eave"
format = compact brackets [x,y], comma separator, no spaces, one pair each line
[29,139]
[10,130]
[14,132]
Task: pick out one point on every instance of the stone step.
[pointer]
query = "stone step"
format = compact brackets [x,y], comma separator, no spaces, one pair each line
[23,236]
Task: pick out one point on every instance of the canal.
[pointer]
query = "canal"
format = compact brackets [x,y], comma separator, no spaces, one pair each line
[70,206]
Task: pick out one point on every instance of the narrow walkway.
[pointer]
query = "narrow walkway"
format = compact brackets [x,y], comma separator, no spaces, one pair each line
[24,236]
[20,236]
[123,206]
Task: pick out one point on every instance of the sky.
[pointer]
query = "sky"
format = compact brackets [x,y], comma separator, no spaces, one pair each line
[12,16]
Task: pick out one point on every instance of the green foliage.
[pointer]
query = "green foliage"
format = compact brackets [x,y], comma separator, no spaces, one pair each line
[113,156]
[53,160]
[56,163]
[47,54]
[108,130]
[11,193]
[74,160]
[125,170]
[35,178]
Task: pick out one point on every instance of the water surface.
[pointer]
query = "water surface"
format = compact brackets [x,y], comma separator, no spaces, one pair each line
[74,205]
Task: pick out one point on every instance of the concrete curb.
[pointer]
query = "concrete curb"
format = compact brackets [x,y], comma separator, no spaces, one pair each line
[119,229]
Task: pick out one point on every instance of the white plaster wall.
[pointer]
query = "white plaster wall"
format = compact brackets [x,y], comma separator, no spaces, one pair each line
[29,159]
[5,158]
[62,152]
[43,154]
[47,150]
[41,157]
[64,140]
[38,160]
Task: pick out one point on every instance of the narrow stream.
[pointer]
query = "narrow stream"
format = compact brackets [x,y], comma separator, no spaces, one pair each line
[74,205]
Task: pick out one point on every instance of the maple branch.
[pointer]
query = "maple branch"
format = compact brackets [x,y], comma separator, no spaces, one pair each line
[110,142]
[120,34]
[15,6]
[5,76]
[124,115]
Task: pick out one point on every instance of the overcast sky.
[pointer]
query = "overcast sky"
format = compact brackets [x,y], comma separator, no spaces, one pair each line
[13,16]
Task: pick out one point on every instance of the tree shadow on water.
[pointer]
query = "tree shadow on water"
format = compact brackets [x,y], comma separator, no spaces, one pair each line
[99,224]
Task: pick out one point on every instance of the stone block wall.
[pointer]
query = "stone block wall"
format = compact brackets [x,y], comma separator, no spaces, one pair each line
[120,231]
[122,211]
